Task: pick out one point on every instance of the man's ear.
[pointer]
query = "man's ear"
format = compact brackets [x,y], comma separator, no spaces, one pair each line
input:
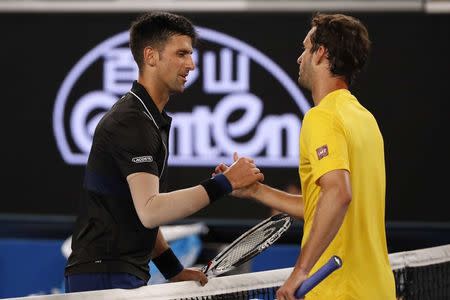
[320,54]
[151,56]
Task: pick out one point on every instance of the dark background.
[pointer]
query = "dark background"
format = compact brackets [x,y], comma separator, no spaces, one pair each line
[404,86]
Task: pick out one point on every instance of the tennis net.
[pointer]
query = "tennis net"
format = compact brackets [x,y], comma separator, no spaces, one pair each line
[420,274]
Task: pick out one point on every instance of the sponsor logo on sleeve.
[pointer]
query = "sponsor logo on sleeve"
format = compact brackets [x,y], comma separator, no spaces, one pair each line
[322,152]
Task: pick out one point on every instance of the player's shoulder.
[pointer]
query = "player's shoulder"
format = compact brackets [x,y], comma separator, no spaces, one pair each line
[126,106]
[332,105]
[318,113]
[125,119]
[128,111]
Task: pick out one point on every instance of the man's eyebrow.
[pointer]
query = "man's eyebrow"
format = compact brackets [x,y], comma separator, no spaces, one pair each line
[184,51]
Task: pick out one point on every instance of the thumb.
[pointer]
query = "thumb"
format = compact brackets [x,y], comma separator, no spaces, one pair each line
[235,156]
[203,279]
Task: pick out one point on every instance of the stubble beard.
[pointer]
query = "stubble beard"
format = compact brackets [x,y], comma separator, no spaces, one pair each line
[303,81]
[177,87]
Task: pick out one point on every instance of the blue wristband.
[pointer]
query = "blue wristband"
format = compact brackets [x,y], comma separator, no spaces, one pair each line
[224,183]
[168,264]
[217,187]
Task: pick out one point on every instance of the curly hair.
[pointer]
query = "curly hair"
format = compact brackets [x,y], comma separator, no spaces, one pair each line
[346,40]
[154,29]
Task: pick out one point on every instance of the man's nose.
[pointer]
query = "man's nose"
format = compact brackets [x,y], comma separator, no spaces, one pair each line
[191,64]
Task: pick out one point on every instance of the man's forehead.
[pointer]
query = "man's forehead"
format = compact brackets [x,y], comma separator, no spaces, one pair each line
[308,35]
[179,41]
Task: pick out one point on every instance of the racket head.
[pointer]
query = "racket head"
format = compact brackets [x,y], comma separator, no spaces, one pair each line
[249,244]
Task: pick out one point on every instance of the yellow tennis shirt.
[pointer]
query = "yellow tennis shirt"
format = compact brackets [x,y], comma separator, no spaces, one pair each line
[340,133]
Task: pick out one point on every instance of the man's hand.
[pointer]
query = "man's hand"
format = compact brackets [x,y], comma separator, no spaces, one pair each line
[242,174]
[246,192]
[249,191]
[190,274]
[287,290]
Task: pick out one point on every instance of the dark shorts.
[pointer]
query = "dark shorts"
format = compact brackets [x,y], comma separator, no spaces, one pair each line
[101,281]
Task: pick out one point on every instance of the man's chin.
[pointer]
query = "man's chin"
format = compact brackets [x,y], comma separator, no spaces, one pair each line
[302,83]
[178,90]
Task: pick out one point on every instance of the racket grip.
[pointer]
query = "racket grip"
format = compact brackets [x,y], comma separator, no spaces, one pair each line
[333,264]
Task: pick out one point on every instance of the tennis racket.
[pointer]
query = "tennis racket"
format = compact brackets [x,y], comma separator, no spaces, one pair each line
[248,245]
[332,265]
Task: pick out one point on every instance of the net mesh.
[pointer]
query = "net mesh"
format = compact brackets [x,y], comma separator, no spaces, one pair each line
[259,294]
[421,274]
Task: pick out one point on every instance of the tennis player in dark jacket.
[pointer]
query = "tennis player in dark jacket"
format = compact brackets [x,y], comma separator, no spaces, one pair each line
[116,232]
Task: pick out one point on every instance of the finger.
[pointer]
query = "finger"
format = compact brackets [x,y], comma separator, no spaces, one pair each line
[250,160]
[260,177]
[220,168]
[280,295]
[256,170]
[223,167]
[203,279]
[235,156]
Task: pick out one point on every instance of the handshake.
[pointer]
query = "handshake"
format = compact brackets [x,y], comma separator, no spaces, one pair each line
[243,175]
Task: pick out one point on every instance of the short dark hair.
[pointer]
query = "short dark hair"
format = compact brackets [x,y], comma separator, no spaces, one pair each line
[154,29]
[346,40]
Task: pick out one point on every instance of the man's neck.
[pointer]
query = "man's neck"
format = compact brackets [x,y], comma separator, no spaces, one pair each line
[325,86]
[159,96]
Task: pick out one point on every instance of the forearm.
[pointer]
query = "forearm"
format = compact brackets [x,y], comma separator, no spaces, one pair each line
[154,208]
[167,207]
[328,218]
[288,203]
[164,258]
[161,245]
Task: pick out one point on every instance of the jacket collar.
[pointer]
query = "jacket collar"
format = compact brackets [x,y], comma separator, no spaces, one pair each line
[160,119]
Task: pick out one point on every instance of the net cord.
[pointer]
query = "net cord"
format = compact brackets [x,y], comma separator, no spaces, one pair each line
[241,282]
[419,258]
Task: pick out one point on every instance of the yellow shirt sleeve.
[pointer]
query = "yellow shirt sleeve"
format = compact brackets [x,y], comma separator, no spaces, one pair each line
[326,145]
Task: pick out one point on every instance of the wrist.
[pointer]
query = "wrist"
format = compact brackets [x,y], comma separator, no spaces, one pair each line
[300,273]
[224,183]
[217,186]
[232,183]
[257,192]
[168,264]
[303,268]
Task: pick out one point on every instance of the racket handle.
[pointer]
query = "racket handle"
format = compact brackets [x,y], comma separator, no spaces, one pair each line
[333,264]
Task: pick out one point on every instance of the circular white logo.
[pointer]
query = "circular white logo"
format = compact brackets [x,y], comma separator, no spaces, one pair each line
[229,113]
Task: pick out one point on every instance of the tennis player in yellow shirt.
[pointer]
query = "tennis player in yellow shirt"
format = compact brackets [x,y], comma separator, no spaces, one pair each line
[342,172]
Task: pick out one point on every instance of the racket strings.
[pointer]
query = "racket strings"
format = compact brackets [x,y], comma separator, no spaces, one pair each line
[251,243]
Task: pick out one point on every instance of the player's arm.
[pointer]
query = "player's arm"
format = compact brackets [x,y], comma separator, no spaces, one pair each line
[154,208]
[333,202]
[285,202]
[169,265]
[161,245]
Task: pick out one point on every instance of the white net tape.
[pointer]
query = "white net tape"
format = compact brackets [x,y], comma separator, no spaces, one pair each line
[242,282]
